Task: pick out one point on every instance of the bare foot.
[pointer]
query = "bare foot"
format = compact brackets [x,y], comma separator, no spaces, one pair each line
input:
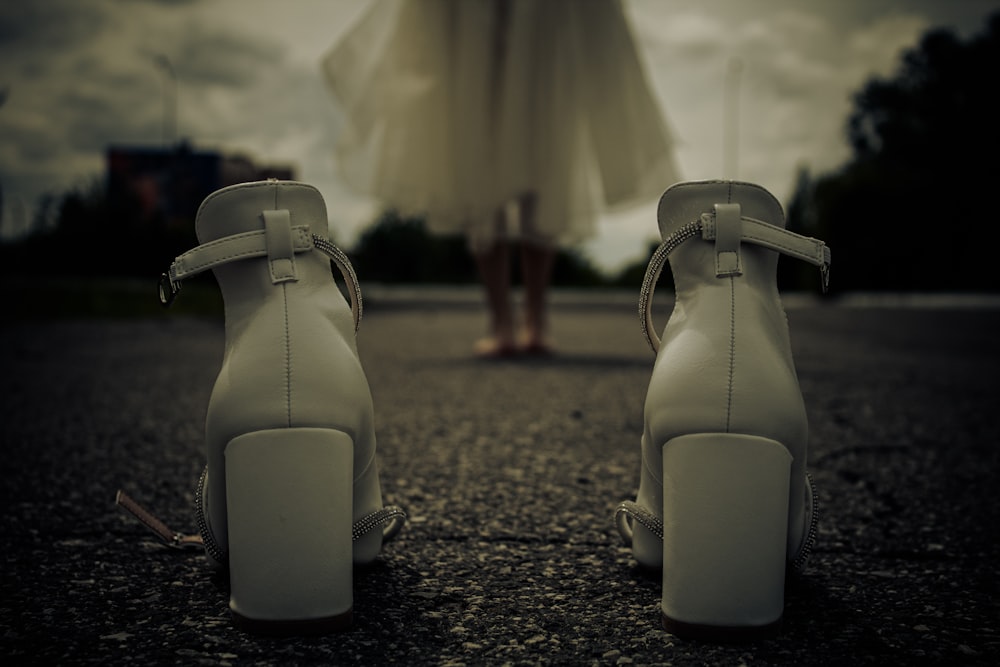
[493,348]
[536,346]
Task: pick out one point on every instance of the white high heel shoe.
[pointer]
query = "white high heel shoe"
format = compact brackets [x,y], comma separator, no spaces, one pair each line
[724,501]
[290,498]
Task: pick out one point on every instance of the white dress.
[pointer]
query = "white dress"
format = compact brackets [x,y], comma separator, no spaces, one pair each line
[454,108]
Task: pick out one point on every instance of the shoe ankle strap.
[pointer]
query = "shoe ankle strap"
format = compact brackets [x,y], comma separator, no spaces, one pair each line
[750,230]
[254,244]
[788,243]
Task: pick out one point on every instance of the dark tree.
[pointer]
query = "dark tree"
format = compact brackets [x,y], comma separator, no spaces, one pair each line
[401,250]
[912,210]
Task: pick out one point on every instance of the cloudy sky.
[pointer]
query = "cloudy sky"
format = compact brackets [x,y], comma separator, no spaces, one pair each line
[78,75]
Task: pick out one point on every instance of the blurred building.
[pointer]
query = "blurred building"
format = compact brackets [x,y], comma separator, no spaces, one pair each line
[165,186]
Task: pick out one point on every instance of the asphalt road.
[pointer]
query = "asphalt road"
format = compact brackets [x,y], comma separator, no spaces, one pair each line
[510,472]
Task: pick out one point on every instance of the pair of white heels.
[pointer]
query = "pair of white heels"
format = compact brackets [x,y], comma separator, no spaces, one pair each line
[724,501]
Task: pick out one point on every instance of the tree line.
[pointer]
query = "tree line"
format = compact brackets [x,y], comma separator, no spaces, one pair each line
[911,209]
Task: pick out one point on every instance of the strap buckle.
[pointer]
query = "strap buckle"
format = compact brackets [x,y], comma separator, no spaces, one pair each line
[168,289]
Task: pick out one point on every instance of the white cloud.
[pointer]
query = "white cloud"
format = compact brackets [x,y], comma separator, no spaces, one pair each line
[875,48]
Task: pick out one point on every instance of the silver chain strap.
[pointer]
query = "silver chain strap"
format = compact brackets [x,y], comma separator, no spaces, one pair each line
[340,258]
[653,271]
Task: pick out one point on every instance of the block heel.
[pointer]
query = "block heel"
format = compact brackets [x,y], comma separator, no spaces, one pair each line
[725,525]
[289,511]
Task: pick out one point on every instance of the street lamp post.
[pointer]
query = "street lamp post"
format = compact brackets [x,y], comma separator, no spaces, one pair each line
[169,100]
[731,123]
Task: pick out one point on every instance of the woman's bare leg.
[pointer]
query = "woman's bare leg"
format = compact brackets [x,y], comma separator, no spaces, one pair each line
[537,260]
[493,264]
